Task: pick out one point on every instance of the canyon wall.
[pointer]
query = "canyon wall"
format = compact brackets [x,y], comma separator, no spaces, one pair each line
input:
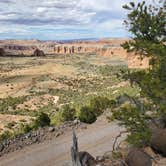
[109,48]
[26,47]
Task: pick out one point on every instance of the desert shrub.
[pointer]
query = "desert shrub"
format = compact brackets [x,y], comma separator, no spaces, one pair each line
[117,155]
[42,120]
[87,115]
[68,113]
[10,125]
[99,104]
[26,128]
[108,70]
[56,119]
[49,108]
[23,129]
[10,102]
[5,135]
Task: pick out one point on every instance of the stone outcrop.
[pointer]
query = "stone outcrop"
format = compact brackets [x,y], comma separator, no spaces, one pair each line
[38,53]
[2,52]
[158,141]
[74,49]
[136,157]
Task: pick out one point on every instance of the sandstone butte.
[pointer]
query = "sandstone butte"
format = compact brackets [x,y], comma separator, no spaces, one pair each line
[105,47]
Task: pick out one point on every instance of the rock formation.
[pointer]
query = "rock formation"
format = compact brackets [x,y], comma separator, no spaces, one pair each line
[38,53]
[2,52]
[158,141]
[26,47]
[102,49]
[109,48]
[137,157]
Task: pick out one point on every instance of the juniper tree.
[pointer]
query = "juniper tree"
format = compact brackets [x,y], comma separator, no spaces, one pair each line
[147,24]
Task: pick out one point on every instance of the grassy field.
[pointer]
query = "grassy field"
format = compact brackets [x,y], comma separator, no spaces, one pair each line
[30,85]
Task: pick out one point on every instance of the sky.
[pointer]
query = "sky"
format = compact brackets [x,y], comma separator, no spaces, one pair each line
[62,19]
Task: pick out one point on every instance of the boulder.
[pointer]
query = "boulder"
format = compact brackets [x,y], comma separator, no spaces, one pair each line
[39,53]
[158,141]
[137,157]
[86,159]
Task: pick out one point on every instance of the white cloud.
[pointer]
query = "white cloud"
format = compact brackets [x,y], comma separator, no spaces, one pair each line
[41,9]
[36,17]
[112,24]
[13,29]
[102,5]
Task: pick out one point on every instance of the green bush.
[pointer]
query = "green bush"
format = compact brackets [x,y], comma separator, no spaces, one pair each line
[99,104]
[87,115]
[109,70]
[5,135]
[68,113]
[42,120]
[27,128]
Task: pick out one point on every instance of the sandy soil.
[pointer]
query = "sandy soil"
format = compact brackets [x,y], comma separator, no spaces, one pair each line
[5,119]
[19,81]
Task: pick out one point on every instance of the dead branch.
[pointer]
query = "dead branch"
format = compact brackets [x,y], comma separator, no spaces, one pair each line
[75,151]
[117,137]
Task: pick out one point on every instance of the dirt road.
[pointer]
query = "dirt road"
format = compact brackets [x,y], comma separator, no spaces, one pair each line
[96,139]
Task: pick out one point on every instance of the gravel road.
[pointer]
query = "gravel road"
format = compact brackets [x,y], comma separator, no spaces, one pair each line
[97,139]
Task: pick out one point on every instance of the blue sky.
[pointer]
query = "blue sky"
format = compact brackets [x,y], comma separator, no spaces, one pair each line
[62,19]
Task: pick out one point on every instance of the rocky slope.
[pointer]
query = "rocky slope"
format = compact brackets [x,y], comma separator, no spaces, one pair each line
[109,47]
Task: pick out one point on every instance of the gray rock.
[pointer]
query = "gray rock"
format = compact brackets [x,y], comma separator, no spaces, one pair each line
[86,159]
[28,135]
[158,141]
[76,121]
[51,129]
[137,157]
[100,158]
